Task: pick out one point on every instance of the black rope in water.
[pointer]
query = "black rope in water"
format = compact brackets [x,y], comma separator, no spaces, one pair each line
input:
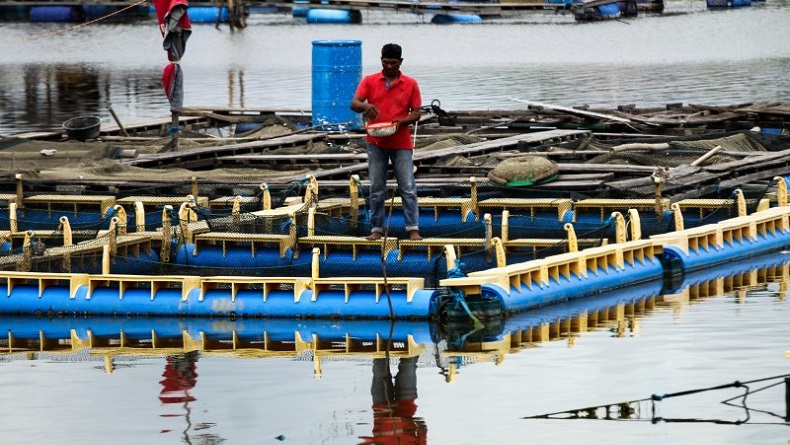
[655,398]
[384,255]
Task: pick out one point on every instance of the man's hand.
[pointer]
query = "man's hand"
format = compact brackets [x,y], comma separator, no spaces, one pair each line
[371,112]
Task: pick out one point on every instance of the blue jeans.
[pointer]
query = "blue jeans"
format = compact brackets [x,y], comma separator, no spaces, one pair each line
[403,166]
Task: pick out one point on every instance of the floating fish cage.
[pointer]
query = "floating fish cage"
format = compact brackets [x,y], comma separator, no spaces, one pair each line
[308,258]
[460,341]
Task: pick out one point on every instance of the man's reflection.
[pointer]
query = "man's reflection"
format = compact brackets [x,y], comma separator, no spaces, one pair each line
[179,377]
[394,404]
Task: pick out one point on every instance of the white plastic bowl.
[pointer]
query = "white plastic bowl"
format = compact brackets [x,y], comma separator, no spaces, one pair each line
[382,129]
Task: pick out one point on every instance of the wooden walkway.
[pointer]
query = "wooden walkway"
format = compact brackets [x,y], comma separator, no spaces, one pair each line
[426,159]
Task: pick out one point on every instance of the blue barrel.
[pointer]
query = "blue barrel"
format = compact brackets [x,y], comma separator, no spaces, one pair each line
[337,70]
[57,14]
[442,19]
[609,10]
[207,14]
[337,16]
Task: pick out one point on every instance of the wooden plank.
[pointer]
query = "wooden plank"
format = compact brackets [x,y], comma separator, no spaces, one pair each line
[422,158]
[187,158]
[752,162]
[583,113]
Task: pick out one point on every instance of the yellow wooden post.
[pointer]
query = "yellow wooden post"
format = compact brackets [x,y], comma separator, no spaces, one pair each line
[678,217]
[659,200]
[619,224]
[573,242]
[167,230]
[120,213]
[505,233]
[113,234]
[499,248]
[781,191]
[311,222]
[13,224]
[314,270]
[65,227]
[311,192]
[741,201]
[449,256]
[20,198]
[68,240]
[636,224]
[105,260]
[139,216]
[317,372]
[266,197]
[473,195]
[489,228]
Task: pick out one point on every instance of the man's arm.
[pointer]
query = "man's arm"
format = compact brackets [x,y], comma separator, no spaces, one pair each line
[412,117]
[360,105]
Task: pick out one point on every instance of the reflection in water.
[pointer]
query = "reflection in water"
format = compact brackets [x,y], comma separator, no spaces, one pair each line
[43,96]
[74,89]
[180,376]
[394,404]
[235,80]
[649,63]
[452,349]
[647,409]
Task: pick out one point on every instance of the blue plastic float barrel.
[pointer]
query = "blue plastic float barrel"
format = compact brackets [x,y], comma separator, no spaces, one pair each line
[443,19]
[609,10]
[576,306]
[207,14]
[236,256]
[248,330]
[57,14]
[337,70]
[337,16]
[521,297]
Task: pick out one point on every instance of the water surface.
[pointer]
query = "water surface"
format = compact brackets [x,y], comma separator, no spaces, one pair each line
[688,54]
[714,334]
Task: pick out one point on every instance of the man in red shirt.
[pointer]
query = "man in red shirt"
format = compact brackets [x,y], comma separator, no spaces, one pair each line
[390,96]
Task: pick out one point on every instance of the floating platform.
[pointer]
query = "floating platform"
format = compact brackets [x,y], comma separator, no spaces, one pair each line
[455,344]
[510,288]
[303,261]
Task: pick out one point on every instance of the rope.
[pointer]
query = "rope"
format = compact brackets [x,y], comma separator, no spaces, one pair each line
[735,384]
[81,25]
[384,257]
[459,296]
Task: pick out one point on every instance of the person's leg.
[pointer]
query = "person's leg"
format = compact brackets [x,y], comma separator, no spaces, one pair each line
[377,175]
[381,387]
[406,379]
[403,165]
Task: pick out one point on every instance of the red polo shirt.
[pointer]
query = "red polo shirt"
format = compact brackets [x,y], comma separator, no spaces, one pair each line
[394,102]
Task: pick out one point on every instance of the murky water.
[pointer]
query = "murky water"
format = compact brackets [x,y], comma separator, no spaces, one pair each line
[317,382]
[713,334]
[50,73]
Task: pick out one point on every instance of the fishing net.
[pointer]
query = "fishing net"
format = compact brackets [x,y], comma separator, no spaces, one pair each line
[241,221]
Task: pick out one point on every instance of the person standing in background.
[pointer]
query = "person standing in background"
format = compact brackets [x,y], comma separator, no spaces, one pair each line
[390,96]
